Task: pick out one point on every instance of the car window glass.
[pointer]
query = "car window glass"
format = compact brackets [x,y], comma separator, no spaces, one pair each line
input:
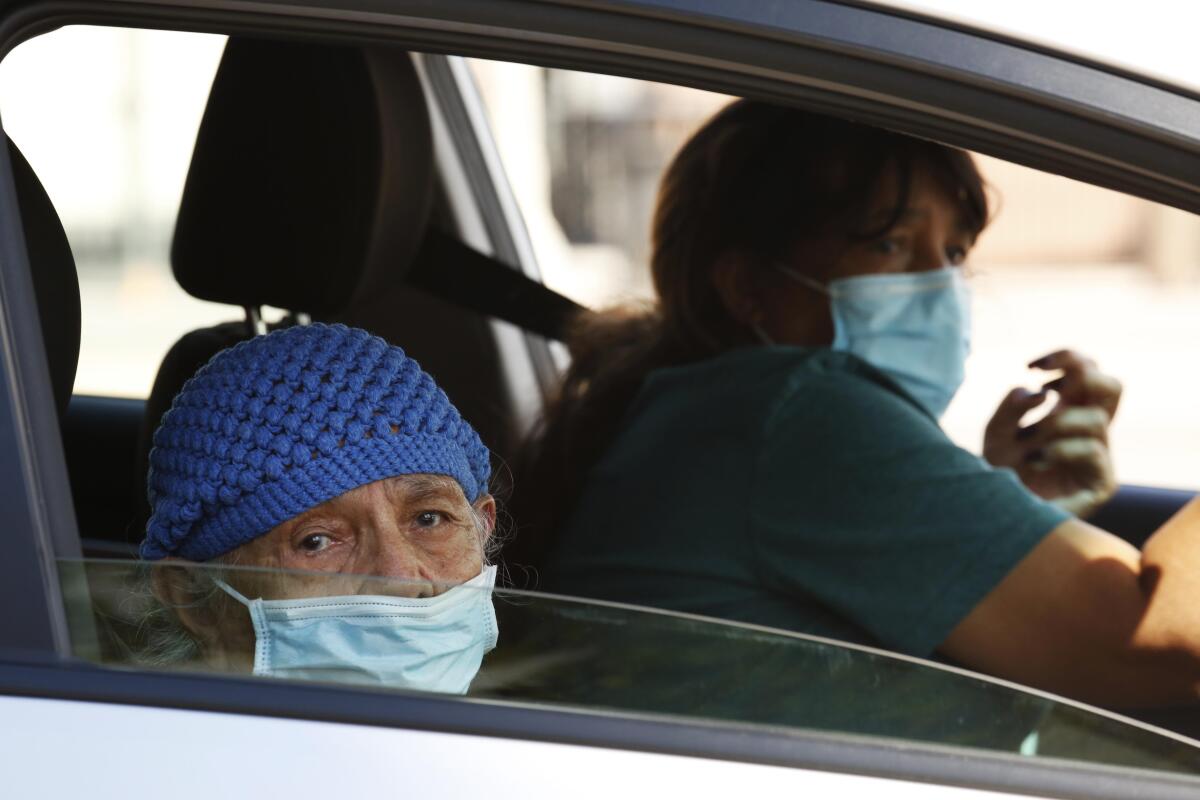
[552,650]
[1059,262]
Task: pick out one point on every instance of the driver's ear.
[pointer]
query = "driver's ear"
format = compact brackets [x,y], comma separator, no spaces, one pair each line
[732,277]
[485,508]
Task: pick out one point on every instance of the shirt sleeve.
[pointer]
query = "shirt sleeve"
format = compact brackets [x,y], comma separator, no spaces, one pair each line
[863,504]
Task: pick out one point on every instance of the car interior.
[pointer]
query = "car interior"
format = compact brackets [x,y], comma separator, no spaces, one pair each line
[332,142]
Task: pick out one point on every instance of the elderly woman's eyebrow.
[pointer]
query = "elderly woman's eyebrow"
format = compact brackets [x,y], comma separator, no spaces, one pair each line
[416,489]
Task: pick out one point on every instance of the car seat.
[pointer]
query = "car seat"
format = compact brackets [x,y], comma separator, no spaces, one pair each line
[311,189]
[55,282]
[310,183]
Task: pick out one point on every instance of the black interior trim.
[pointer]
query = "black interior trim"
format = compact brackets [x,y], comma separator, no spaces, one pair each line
[100,439]
[456,272]
[37,519]
[1136,512]
[899,760]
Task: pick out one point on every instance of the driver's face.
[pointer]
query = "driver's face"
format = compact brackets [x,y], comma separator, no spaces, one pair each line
[930,232]
[418,530]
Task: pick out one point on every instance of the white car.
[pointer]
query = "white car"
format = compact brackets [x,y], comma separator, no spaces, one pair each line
[345,170]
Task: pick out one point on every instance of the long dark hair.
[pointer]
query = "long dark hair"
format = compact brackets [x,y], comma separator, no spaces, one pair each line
[755,180]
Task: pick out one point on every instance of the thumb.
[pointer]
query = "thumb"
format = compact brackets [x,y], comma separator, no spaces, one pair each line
[1015,405]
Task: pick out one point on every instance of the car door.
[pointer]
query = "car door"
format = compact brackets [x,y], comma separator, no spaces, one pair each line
[40,644]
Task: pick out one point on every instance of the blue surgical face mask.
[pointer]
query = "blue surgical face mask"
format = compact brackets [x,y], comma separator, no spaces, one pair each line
[913,326]
[432,644]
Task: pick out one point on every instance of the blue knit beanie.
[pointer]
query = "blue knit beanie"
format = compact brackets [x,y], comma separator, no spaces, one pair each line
[280,423]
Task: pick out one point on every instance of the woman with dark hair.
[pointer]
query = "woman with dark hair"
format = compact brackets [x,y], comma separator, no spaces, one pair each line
[763,443]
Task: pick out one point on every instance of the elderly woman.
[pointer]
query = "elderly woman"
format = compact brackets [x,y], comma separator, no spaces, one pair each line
[331,459]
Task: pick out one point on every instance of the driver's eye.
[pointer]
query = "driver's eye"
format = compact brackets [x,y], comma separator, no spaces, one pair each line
[887,246]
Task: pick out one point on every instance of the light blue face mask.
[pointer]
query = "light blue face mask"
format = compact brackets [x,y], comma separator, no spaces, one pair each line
[913,326]
[432,644]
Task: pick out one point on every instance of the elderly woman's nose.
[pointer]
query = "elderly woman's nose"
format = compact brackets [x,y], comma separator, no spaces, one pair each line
[397,558]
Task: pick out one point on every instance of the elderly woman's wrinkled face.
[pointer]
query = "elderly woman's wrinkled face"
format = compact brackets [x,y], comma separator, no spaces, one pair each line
[417,531]
[416,528]
[408,536]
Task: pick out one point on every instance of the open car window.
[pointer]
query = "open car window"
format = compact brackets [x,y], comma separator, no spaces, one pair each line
[1058,264]
[565,652]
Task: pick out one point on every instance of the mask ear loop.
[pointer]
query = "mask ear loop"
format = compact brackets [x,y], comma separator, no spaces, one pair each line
[802,279]
[262,632]
[234,593]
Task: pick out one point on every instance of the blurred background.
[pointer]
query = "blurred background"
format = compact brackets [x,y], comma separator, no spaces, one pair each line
[108,117]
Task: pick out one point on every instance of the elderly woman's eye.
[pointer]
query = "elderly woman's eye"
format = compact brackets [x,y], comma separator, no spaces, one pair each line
[315,542]
[429,519]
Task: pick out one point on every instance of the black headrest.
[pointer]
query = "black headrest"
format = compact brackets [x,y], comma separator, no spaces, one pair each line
[55,282]
[311,179]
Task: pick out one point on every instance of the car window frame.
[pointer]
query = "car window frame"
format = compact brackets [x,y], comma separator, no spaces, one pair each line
[33,482]
[38,513]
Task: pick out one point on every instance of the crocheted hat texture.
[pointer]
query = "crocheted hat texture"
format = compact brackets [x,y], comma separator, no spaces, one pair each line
[280,423]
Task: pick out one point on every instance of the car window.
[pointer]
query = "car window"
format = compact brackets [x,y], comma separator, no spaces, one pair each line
[567,652]
[1058,263]
[549,650]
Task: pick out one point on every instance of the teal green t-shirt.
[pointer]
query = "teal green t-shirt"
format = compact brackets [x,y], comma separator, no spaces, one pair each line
[796,488]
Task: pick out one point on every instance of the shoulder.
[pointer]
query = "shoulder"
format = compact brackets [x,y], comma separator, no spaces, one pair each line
[780,369]
[838,392]
[773,392]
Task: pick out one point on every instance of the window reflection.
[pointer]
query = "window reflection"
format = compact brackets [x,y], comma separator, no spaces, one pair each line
[524,647]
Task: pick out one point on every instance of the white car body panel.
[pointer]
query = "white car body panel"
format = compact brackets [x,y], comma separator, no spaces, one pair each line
[69,749]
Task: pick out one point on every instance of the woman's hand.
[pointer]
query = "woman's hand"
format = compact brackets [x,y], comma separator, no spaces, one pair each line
[1064,457]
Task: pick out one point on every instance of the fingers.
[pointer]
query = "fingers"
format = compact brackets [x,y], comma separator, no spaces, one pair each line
[1063,359]
[1082,383]
[1089,422]
[1082,463]
[1076,451]
[1090,387]
[1015,405]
